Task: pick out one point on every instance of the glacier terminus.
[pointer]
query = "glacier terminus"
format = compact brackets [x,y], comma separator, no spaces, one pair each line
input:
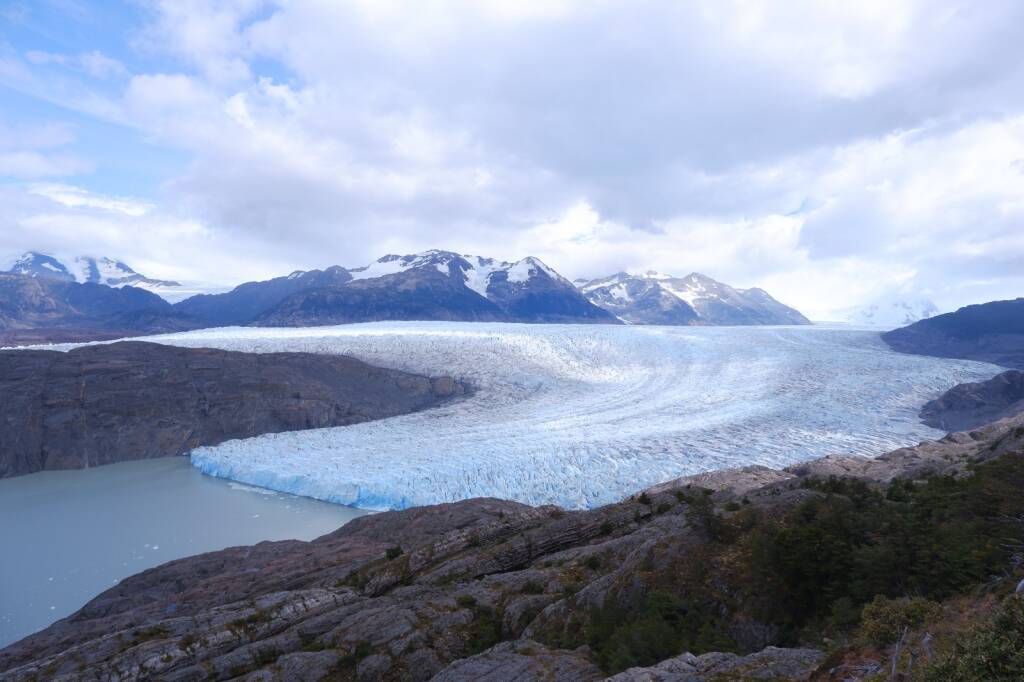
[581,416]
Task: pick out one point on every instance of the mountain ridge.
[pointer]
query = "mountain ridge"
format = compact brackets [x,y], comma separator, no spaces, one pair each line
[430,285]
[654,298]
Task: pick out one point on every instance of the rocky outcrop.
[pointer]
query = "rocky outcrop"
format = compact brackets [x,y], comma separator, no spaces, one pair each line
[479,589]
[771,663]
[989,332]
[970,405]
[134,400]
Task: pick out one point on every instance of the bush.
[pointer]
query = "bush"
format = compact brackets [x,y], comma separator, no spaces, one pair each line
[883,620]
[393,552]
[664,625]
[533,587]
[993,652]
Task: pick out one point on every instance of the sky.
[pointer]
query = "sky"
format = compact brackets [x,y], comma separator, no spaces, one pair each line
[836,154]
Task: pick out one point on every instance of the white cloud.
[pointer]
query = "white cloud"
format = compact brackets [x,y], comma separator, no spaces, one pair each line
[829,151]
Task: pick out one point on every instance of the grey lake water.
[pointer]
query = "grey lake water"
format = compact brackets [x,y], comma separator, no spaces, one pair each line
[69,535]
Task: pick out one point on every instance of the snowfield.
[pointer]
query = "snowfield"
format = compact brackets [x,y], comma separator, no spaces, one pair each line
[582,415]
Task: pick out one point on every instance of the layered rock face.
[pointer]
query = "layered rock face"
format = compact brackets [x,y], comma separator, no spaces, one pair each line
[967,406]
[476,590]
[134,400]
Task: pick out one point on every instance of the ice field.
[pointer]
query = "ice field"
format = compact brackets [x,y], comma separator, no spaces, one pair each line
[581,415]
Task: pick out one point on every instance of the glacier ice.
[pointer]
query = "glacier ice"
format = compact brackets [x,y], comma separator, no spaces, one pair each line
[582,415]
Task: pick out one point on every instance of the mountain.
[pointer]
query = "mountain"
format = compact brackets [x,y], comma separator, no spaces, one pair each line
[433,285]
[246,302]
[989,332]
[892,313]
[59,305]
[85,270]
[692,300]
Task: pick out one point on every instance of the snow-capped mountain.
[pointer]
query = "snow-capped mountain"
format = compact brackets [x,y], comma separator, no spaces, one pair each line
[653,298]
[433,285]
[892,313]
[85,269]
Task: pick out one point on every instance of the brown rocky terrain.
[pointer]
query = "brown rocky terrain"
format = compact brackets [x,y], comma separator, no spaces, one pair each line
[135,400]
[967,406]
[491,590]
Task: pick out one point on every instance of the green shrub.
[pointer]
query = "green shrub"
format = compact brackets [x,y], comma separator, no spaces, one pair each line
[393,552]
[883,620]
[533,587]
[993,652]
[663,626]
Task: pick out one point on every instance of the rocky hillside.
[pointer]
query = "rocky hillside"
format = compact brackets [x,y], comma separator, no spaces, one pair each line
[970,405]
[990,332]
[836,569]
[133,400]
[695,299]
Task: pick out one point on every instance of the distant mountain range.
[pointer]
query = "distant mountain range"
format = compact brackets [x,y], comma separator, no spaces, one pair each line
[434,285]
[45,292]
[696,299]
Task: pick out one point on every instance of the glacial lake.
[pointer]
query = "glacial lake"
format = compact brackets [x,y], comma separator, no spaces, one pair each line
[69,535]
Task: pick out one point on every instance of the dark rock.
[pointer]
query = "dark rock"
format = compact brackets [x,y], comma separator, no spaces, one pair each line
[133,400]
[521,660]
[989,332]
[770,663]
[968,406]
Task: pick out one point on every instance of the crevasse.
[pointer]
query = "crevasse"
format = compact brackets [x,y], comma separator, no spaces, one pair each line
[580,415]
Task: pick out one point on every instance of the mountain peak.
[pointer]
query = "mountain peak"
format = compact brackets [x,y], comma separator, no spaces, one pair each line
[84,270]
[655,298]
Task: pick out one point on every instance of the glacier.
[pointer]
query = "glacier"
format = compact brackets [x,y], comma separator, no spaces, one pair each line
[583,415]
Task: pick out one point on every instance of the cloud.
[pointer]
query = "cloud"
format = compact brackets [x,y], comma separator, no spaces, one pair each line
[829,151]
[34,151]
